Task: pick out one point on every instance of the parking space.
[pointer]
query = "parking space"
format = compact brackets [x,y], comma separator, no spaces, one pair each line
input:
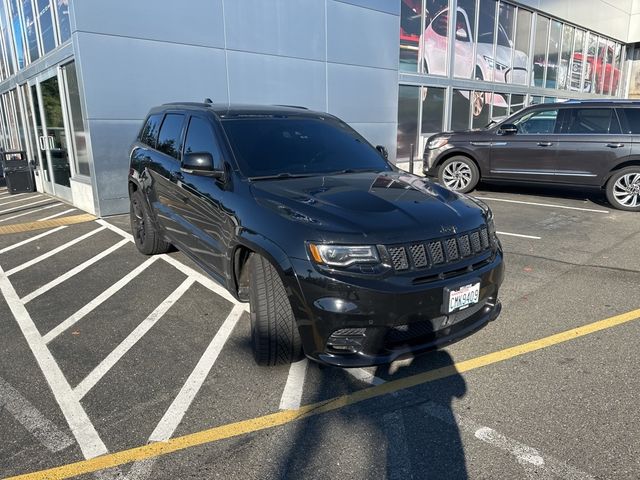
[140,367]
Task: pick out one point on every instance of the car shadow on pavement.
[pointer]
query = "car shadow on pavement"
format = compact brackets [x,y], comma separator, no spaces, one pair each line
[407,434]
[547,191]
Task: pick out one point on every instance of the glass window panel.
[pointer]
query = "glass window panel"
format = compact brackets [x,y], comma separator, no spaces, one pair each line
[521,62]
[434,45]
[20,126]
[17,33]
[577,64]
[408,105]
[62,10]
[589,121]
[517,103]
[537,122]
[460,110]
[200,138]
[4,72]
[29,120]
[30,30]
[149,133]
[540,50]
[617,70]
[633,119]
[535,100]
[486,38]
[565,56]
[600,64]
[555,40]
[410,31]
[6,42]
[465,65]
[432,110]
[504,41]
[480,109]
[47,33]
[78,133]
[592,47]
[550,99]
[500,105]
[171,134]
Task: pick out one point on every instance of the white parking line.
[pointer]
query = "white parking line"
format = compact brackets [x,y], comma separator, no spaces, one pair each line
[173,416]
[83,430]
[99,300]
[100,371]
[292,394]
[551,205]
[32,239]
[31,212]
[545,465]
[74,271]
[519,235]
[53,252]
[57,215]
[32,420]
[11,200]
[9,210]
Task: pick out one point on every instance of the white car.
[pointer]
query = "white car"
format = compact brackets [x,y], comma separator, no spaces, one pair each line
[485,64]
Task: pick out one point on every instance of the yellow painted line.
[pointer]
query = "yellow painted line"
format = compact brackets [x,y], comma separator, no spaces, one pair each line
[284,417]
[54,222]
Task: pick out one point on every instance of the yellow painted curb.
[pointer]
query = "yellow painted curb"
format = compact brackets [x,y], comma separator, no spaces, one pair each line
[54,222]
[287,416]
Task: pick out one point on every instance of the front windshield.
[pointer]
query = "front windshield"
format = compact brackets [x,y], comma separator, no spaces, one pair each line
[297,145]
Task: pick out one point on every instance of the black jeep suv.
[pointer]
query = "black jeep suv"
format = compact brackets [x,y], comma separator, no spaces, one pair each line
[587,144]
[339,254]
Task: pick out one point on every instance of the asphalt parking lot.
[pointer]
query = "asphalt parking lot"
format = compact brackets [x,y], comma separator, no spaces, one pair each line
[117,365]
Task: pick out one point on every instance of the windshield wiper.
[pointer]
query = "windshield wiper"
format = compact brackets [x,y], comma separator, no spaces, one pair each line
[279,176]
[352,170]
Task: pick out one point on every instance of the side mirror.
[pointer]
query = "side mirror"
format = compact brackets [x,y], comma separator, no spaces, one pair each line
[508,129]
[461,34]
[200,163]
[383,151]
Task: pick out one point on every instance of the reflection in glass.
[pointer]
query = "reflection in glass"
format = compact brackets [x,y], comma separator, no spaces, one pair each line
[17,33]
[408,104]
[410,30]
[28,118]
[62,8]
[20,125]
[506,29]
[517,103]
[46,25]
[480,108]
[599,64]
[434,45]
[465,39]
[523,36]
[6,40]
[78,133]
[535,100]
[540,50]
[460,110]
[432,110]
[589,77]
[12,140]
[500,111]
[30,29]
[555,40]
[565,56]
[40,132]
[56,140]
[494,67]
[577,65]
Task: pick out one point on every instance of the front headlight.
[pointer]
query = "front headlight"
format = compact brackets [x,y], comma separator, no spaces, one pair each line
[437,142]
[343,255]
[493,64]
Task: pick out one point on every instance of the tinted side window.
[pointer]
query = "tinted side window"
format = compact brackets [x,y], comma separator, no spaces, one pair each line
[149,132]
[537,122]
[591,120]
[633,119]
[200,138]
[170,133]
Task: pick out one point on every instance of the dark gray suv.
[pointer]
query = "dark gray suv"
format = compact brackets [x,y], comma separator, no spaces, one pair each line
[589,144]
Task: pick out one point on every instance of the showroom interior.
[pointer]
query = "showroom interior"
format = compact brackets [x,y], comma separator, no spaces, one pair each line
[77,78]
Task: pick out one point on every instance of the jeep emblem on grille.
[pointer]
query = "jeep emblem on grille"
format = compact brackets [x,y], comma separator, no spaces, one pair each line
[447,229]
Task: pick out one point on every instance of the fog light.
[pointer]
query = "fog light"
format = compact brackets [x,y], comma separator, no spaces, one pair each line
[347,340]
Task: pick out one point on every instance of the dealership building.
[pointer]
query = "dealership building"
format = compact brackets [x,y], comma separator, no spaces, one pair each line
[77,77]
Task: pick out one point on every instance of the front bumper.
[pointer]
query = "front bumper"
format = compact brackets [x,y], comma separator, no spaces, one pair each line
[382,321]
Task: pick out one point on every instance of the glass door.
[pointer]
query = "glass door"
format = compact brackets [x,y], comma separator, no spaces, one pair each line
[52,136]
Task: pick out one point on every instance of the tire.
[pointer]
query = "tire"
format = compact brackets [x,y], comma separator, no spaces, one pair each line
[478,98]
[459,174]
[274,332]
[623,189]
[146,237]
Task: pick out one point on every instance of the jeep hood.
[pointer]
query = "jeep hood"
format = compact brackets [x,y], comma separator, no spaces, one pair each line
[383,207]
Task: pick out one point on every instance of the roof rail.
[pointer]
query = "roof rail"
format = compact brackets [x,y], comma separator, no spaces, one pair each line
[603,100]
[291,106]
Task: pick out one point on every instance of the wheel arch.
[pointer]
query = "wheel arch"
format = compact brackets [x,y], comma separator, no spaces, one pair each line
[632,162]
[459,153]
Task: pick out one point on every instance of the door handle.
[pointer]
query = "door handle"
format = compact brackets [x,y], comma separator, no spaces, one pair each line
[615,145]
[41,142]
[545,144]
[52,143]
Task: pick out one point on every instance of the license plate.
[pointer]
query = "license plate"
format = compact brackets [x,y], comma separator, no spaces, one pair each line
[463,297]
